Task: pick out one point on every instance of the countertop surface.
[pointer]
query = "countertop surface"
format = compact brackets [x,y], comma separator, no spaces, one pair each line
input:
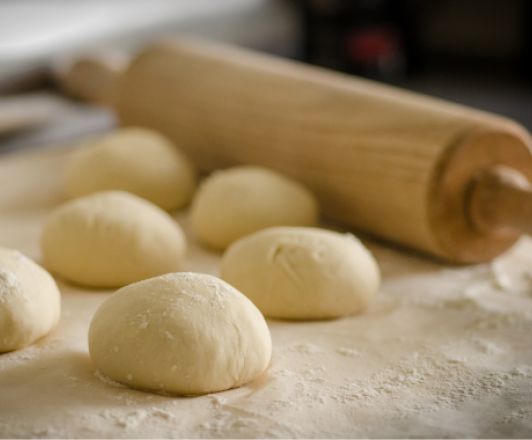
[442,351]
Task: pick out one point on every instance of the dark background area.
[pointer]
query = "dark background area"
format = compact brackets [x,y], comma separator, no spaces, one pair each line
[475,52]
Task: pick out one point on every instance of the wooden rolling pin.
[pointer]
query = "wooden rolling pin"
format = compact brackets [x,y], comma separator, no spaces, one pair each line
[431,175]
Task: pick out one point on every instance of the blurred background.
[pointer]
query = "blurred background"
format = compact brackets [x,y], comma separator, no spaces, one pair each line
[475,52]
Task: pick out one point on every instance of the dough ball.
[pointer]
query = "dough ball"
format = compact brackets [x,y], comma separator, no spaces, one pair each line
[111,239]
[30,302]
[302,273]
[182,333]
[137,160]
[239,201]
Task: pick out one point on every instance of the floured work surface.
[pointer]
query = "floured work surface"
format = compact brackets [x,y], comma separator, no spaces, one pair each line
[441,352]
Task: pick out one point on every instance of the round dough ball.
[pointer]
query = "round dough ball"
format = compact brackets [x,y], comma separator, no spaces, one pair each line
[239,201]
[302,273]
[111,239]
[137,160]
[30,302]
[182,333]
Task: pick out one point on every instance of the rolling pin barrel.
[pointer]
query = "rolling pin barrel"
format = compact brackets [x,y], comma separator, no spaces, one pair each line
[396,164]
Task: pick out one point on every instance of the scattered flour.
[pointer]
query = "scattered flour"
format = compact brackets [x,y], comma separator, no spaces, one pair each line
[348,352]
[308,386]
[522,413]
[497,275]
[231,424]
[470,299]
[9,285]
[463,299]
[30,353]
[496,319]
[46,431]
[433,380]
[235,422]
[305,347]
[22,430]
[486,346]
[441,371]
[131,419]
[218,400]
[500,279]
[70,378]
[108,380]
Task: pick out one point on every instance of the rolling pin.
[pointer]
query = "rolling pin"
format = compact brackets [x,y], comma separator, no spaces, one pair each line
[431,175]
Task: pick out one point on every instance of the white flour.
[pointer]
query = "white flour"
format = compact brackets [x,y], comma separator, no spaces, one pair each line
[9,285]
[441,352]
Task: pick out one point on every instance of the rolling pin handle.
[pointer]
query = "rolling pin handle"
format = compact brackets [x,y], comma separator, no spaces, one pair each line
[501,202]
[93,77]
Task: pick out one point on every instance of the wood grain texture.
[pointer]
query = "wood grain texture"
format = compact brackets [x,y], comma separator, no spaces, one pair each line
[380,159]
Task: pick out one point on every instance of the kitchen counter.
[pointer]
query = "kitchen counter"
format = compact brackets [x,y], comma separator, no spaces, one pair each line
[442,351]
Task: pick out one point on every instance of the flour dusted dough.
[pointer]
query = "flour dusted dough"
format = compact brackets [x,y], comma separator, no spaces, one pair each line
[239,201]
[137,160]
[302,273]
[111,239]
[183,333]
[30,302]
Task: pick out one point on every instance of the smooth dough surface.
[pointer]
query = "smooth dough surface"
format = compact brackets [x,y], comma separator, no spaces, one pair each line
[137,160]
[239,201]
[30,302]
[302,273]
[184,333]
[111,239]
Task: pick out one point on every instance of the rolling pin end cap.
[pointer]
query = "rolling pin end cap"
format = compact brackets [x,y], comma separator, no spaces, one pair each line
[500,202]
[481,201]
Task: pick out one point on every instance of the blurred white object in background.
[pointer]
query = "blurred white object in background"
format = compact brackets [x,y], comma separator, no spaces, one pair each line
[38,34]
[33,32]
